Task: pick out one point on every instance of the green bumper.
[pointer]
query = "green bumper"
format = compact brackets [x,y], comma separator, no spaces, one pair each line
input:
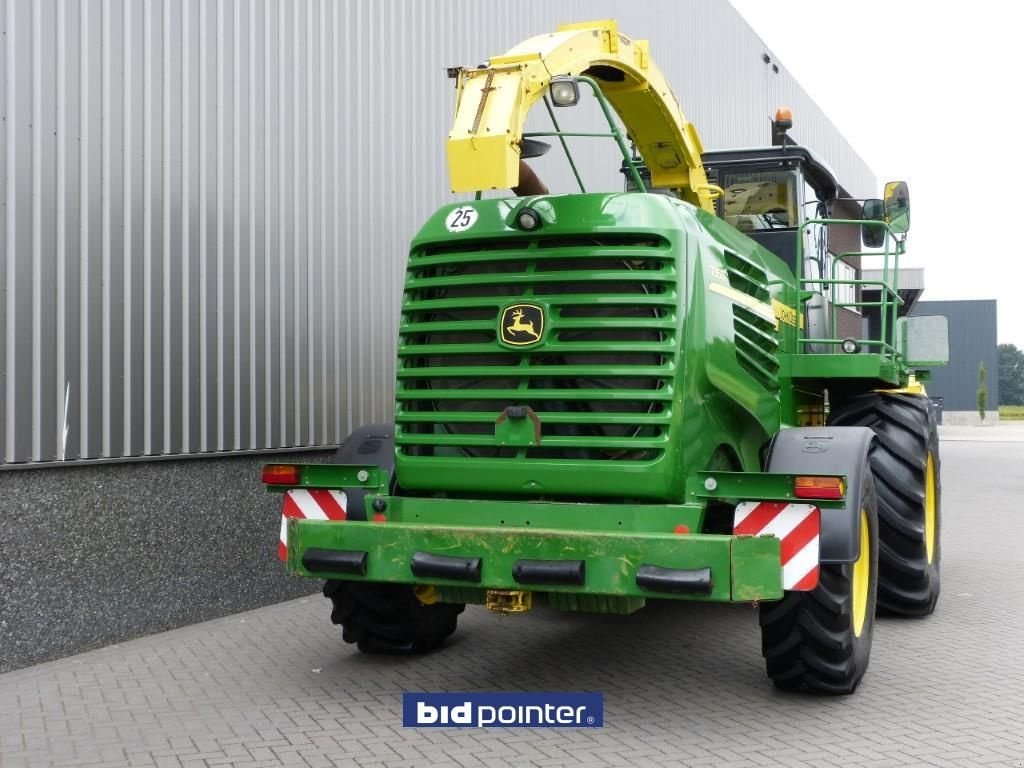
[742,568]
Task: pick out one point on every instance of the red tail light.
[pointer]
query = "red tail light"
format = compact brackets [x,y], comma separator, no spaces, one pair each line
[281,474]
[818,487]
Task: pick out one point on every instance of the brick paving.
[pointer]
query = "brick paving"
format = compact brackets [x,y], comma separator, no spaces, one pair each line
[683,683]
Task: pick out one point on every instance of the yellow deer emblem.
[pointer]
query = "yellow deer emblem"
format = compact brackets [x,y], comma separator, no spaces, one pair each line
[522,324]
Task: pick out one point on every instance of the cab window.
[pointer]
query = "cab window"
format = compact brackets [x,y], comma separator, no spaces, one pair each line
[758,200]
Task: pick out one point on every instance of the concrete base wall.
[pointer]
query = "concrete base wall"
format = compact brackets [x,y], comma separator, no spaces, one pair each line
[969,418]
[93,555]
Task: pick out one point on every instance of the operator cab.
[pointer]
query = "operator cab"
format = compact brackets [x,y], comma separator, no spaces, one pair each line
[769,192]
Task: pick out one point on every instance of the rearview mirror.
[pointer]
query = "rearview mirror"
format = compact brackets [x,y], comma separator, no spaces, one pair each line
[897,206]
[873,236]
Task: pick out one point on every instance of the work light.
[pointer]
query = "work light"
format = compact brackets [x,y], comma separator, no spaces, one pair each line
[528,219]
[564,91]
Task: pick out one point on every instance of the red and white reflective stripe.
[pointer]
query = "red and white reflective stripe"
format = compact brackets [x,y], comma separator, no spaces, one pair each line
[317,504]
[797,526]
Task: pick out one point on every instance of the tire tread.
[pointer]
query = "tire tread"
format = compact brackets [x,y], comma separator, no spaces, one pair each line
[906,432]
[389,618]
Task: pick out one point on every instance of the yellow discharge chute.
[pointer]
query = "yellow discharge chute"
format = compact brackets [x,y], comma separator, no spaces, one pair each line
[483,146]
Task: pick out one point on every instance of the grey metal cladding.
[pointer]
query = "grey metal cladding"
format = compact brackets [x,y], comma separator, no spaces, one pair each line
[972,341]
[207,205]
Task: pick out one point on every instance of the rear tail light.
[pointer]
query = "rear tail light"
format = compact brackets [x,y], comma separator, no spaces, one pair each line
[809,487]
[281,474]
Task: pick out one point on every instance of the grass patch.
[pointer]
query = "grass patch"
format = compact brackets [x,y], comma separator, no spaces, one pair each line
[1011,412]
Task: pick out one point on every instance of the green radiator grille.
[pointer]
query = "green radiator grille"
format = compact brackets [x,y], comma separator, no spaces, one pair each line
[756,344]
[601,377]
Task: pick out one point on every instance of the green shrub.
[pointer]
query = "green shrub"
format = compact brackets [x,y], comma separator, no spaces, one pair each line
[982,392]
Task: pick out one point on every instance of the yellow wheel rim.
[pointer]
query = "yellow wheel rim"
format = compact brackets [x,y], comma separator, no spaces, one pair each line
[861,576]
[929,508]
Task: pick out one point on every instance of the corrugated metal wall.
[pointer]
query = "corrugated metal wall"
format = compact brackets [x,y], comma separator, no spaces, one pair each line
[972,341]
[206,205]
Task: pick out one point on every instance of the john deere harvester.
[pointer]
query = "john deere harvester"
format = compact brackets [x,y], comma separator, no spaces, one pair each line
[685,390]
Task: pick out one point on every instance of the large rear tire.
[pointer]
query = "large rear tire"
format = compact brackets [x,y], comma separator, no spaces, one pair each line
[389,618]
[820,641]
[905,462]
[383,618]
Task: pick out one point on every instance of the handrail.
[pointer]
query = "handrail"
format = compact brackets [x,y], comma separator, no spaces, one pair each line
[565,145]
[613,133]
[889,299]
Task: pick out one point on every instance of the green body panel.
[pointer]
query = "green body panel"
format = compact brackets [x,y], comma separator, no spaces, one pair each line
[731,487]
[341,476]
[725,486]
[742,568]
[755,565]
[871,368]
[661,354]
[710,391]
[552,515]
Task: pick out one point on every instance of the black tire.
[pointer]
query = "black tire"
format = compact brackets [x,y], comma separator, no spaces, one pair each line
[808,639]
[389,618]
[907,434]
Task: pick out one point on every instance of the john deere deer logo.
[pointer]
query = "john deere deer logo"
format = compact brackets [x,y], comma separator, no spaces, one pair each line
[522,324]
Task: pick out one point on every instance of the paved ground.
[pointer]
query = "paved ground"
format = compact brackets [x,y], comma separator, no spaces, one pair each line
[1001,432]
[683,684]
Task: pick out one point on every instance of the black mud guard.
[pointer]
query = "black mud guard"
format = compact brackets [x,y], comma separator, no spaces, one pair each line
[373,444]
[828,451]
